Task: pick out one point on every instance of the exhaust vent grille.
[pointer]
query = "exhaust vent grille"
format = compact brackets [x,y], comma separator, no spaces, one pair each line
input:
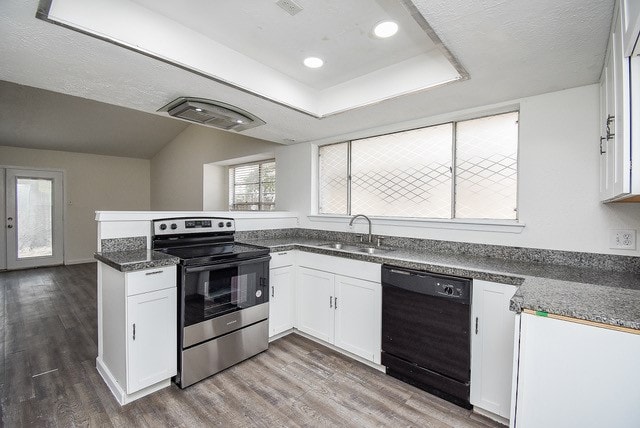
[212,113]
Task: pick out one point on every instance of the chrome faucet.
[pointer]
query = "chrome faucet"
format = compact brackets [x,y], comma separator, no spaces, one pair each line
[366,218]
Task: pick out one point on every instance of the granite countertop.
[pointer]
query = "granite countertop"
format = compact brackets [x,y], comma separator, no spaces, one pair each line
[138,259]
[603,296]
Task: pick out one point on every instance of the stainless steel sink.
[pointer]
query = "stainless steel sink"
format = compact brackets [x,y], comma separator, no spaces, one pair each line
[335,245]
[370,250]
[355,248]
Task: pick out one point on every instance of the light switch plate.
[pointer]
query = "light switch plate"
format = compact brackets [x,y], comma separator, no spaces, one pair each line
[622,239]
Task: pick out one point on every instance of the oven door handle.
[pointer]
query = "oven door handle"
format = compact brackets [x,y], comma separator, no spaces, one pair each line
[226,265]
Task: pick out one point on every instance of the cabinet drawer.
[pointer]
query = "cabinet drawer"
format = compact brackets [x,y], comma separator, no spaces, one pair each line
[341,266]
[144,281]
[281,258]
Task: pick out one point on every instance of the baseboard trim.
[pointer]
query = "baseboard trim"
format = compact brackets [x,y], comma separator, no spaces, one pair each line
[371,364]
[120,395]
[79,261]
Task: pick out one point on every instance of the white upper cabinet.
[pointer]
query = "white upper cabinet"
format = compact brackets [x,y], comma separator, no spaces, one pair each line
[618,159]
[630,26]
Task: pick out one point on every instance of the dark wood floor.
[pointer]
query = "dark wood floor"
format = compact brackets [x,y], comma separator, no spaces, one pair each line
[49,345]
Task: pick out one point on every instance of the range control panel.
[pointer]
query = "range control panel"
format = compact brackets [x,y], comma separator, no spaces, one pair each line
[172,226]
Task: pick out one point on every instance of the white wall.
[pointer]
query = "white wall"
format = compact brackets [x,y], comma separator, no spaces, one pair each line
[177,170]
[558,179]
[92,182]
[215,185]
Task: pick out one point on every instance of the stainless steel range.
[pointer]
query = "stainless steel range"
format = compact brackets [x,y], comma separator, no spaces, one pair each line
[223,303]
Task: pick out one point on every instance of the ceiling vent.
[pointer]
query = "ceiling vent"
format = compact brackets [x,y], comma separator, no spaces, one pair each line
[212,113]
[289,6]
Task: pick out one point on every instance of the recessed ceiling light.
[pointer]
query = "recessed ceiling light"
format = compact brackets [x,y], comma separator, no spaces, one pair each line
[385,29]
[239,121]
[313,62]
[198,109]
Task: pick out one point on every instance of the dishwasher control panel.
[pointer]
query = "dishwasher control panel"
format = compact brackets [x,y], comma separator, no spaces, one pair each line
[453,288]
[448,289]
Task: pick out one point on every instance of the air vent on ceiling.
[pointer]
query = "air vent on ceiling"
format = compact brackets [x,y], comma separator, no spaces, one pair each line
[289,6]
[212,113]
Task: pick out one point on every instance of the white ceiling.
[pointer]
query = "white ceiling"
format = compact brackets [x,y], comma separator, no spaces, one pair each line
[40,119]
[336,30]
[510,48]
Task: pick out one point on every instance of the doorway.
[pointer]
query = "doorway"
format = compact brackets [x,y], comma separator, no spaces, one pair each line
[33,205]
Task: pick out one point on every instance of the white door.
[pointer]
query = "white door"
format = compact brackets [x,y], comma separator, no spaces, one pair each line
[34,221]
[151,356]
[315,303]
[492,333]
[3,224]
[358,306]
[281,303]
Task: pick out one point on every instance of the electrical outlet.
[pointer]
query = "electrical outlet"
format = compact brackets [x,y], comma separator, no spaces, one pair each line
[624,239]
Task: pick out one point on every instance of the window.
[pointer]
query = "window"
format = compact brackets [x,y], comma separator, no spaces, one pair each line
[466,169]
[252,187]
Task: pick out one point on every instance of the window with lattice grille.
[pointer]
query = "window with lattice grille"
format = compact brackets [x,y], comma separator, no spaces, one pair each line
[252,187]
[466,169]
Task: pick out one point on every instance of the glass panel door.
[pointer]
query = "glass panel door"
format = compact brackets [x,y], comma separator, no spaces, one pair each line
[34,218]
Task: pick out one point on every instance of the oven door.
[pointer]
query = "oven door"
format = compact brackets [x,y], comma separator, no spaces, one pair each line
[215,290]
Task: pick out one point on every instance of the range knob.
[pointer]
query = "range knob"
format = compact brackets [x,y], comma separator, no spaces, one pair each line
[163,226]
[221,224]
[228,224]
[174,226]
[448,289]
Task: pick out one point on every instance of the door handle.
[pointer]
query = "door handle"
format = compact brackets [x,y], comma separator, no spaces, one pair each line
[331,301]
[335,304]
[476,325]
[134,331]
[273,291]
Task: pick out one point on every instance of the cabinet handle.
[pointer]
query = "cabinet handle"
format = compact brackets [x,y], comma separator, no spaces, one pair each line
[602,151]
[476,325]
[134,331]
[282,254]
[331,301]
[335,304]
[610,119]
[154,272]
[273,291]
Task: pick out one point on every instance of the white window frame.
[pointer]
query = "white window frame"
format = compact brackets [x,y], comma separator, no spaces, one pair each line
[232,187]
[485,225]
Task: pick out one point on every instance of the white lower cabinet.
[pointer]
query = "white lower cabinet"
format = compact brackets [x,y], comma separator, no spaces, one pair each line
[358,311]
[150,359]
[492,332]
[576,375]
[137,330]
[282,292]
[341,310]
[315,303]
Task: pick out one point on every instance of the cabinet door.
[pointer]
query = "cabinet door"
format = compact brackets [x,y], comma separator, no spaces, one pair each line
[630,25]
[315,312]
[575,375]
[492,344]
[358,317]
[281,300]
[622,141]
[151,338]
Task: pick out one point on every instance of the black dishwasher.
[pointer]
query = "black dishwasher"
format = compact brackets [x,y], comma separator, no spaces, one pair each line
[426,341]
